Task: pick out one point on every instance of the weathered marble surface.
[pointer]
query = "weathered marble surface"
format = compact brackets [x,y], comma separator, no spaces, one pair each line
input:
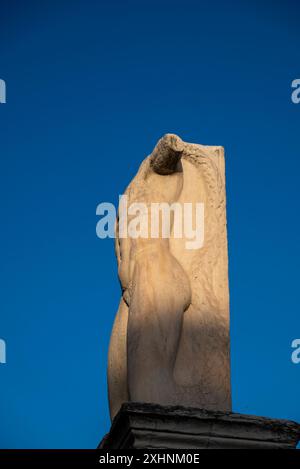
[141,426]
[170,340]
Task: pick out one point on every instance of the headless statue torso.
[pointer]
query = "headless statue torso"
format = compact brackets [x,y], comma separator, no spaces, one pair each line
[170,340]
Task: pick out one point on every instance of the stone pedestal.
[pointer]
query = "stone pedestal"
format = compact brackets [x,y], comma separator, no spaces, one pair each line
[142,426]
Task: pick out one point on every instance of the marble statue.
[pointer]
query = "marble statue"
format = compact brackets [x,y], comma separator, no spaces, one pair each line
[170,339]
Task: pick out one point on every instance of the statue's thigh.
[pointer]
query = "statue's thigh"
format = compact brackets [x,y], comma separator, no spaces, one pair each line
[117,361]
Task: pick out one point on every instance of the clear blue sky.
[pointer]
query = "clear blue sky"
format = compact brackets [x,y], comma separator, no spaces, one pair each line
[91,86]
